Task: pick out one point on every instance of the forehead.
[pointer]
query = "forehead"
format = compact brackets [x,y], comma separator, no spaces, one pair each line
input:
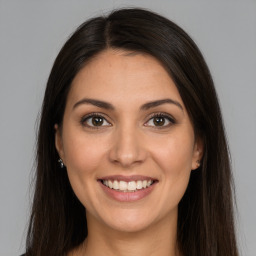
[114,74]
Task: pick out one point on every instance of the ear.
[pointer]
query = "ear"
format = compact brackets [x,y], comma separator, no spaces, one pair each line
[59,143]
[197,153]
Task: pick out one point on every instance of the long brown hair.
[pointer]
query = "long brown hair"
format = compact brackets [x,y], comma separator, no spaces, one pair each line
[205,215]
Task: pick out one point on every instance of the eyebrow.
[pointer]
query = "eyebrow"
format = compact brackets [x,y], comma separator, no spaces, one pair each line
[108,106]
[156,103]
[97,103]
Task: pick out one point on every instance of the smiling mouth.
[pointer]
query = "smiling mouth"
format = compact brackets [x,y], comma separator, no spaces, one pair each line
[130,186]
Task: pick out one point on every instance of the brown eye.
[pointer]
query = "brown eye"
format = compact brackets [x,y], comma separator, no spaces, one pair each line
[97,121]
[94,121]
[159,121]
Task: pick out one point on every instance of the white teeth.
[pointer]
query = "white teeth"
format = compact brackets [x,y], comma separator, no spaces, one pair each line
[132,185]
[127,186]
[123,185]
[115,184]
[139,184]
[110,184]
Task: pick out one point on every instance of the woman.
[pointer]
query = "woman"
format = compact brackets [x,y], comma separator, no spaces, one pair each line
[132,157]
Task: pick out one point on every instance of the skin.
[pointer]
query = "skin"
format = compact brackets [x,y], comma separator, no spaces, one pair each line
[128,142]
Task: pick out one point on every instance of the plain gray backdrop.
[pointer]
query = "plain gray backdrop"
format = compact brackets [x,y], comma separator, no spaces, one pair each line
[32,33]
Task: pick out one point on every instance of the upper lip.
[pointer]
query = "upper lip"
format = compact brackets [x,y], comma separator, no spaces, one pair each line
[127,178]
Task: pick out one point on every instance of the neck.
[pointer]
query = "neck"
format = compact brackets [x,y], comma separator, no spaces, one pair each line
[159,239]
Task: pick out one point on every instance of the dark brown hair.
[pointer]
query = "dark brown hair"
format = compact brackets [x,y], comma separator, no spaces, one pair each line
[205,215]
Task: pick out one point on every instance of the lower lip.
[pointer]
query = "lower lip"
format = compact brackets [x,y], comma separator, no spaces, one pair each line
[127,196]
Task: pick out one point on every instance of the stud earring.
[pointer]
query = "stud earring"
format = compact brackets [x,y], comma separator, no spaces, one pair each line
[198,163]
[61,163]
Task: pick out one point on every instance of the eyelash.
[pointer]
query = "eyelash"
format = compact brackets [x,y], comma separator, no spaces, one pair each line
[170,119]
[87,117]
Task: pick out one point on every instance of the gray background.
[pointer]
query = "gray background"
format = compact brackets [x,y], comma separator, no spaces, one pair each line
[31,34]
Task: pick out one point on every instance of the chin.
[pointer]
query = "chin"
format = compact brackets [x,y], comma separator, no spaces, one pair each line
[126,226]
[131,221]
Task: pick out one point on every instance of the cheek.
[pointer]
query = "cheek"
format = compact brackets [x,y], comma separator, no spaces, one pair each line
[83,153]
[174,158]
[175,154]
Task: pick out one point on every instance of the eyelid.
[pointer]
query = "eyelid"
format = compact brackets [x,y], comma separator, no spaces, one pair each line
[94,114]
[170,118]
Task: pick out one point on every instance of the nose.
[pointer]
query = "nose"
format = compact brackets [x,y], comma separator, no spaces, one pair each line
[128,148]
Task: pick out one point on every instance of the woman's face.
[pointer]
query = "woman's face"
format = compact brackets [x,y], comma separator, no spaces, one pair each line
[127,141]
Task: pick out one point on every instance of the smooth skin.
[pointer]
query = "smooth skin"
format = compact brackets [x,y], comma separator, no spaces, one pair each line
[120,137]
